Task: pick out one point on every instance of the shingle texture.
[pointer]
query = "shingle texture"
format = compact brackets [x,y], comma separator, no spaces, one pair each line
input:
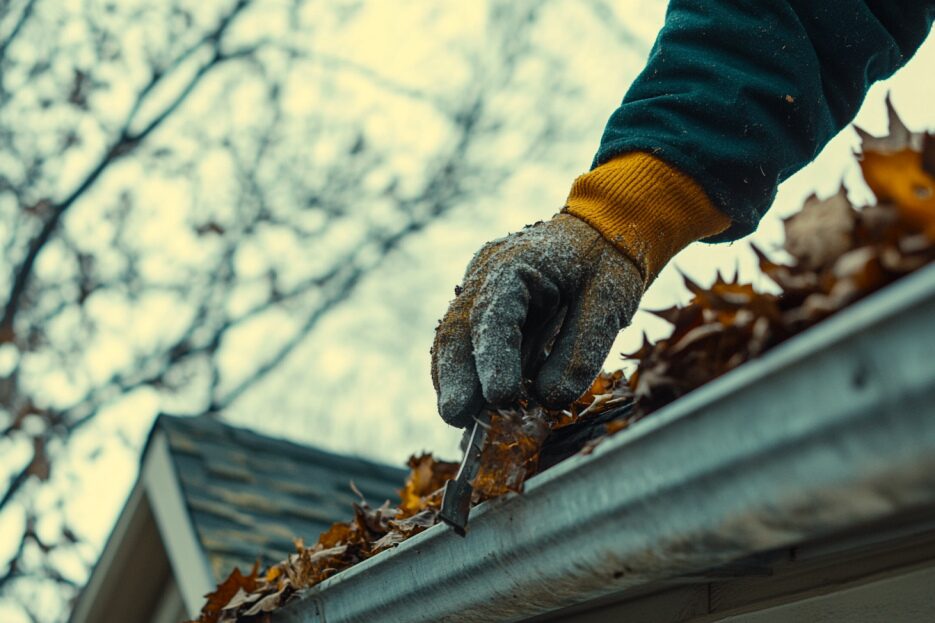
[250,495]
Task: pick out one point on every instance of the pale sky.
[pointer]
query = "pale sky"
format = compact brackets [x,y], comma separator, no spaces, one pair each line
[361,385]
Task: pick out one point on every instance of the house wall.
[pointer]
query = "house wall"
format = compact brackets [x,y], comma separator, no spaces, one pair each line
[907,598]
[134,582]
[171,606]
[869,578]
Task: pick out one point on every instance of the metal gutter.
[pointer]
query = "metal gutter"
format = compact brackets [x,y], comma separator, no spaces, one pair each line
[831,430]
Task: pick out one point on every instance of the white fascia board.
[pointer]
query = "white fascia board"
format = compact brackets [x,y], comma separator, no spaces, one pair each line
[186,556]
[833,429]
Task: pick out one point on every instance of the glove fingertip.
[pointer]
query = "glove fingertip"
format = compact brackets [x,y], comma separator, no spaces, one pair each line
[458,407]
[502,389]
[557,390]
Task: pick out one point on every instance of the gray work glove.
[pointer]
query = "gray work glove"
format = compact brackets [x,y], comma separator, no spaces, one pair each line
[514,290]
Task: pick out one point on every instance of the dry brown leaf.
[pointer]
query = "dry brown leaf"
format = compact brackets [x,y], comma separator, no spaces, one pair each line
[226,591]
[425,478]
[833,217]
[511,452]
[900,180]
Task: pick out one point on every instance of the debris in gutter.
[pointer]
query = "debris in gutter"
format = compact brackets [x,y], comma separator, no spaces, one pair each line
[837,254]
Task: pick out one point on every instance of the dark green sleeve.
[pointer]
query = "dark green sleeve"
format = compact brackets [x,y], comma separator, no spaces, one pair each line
[741,94]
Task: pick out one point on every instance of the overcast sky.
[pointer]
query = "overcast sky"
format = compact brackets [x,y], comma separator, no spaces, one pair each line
[360,384]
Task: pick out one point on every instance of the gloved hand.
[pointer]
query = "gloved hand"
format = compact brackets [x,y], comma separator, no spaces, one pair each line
[587,267]
[516,286]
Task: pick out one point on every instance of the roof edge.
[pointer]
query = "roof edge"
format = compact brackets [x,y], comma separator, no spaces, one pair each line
[831,430]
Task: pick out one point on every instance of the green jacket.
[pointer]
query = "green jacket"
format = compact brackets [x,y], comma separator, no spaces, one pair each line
[740,95]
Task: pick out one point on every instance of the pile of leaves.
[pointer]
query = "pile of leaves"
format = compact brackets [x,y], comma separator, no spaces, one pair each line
[837,254]
[372,530]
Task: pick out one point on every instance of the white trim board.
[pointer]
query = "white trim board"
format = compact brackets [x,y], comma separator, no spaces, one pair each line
[189,565]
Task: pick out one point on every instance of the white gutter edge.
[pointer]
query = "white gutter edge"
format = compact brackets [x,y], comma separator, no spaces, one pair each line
[186,556]
[833,429]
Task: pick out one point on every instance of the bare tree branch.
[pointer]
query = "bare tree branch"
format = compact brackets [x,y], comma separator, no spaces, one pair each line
[14,32]
[15,484]
[125,143]
[12,571]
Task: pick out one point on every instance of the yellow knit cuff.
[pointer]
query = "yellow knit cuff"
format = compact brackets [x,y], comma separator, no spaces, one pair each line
[646,208]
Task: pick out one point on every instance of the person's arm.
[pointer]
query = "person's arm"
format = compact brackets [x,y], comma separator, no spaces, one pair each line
[741,95]
[736,97]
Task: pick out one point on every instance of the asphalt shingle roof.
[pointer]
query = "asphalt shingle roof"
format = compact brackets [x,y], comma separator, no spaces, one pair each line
[249,495]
